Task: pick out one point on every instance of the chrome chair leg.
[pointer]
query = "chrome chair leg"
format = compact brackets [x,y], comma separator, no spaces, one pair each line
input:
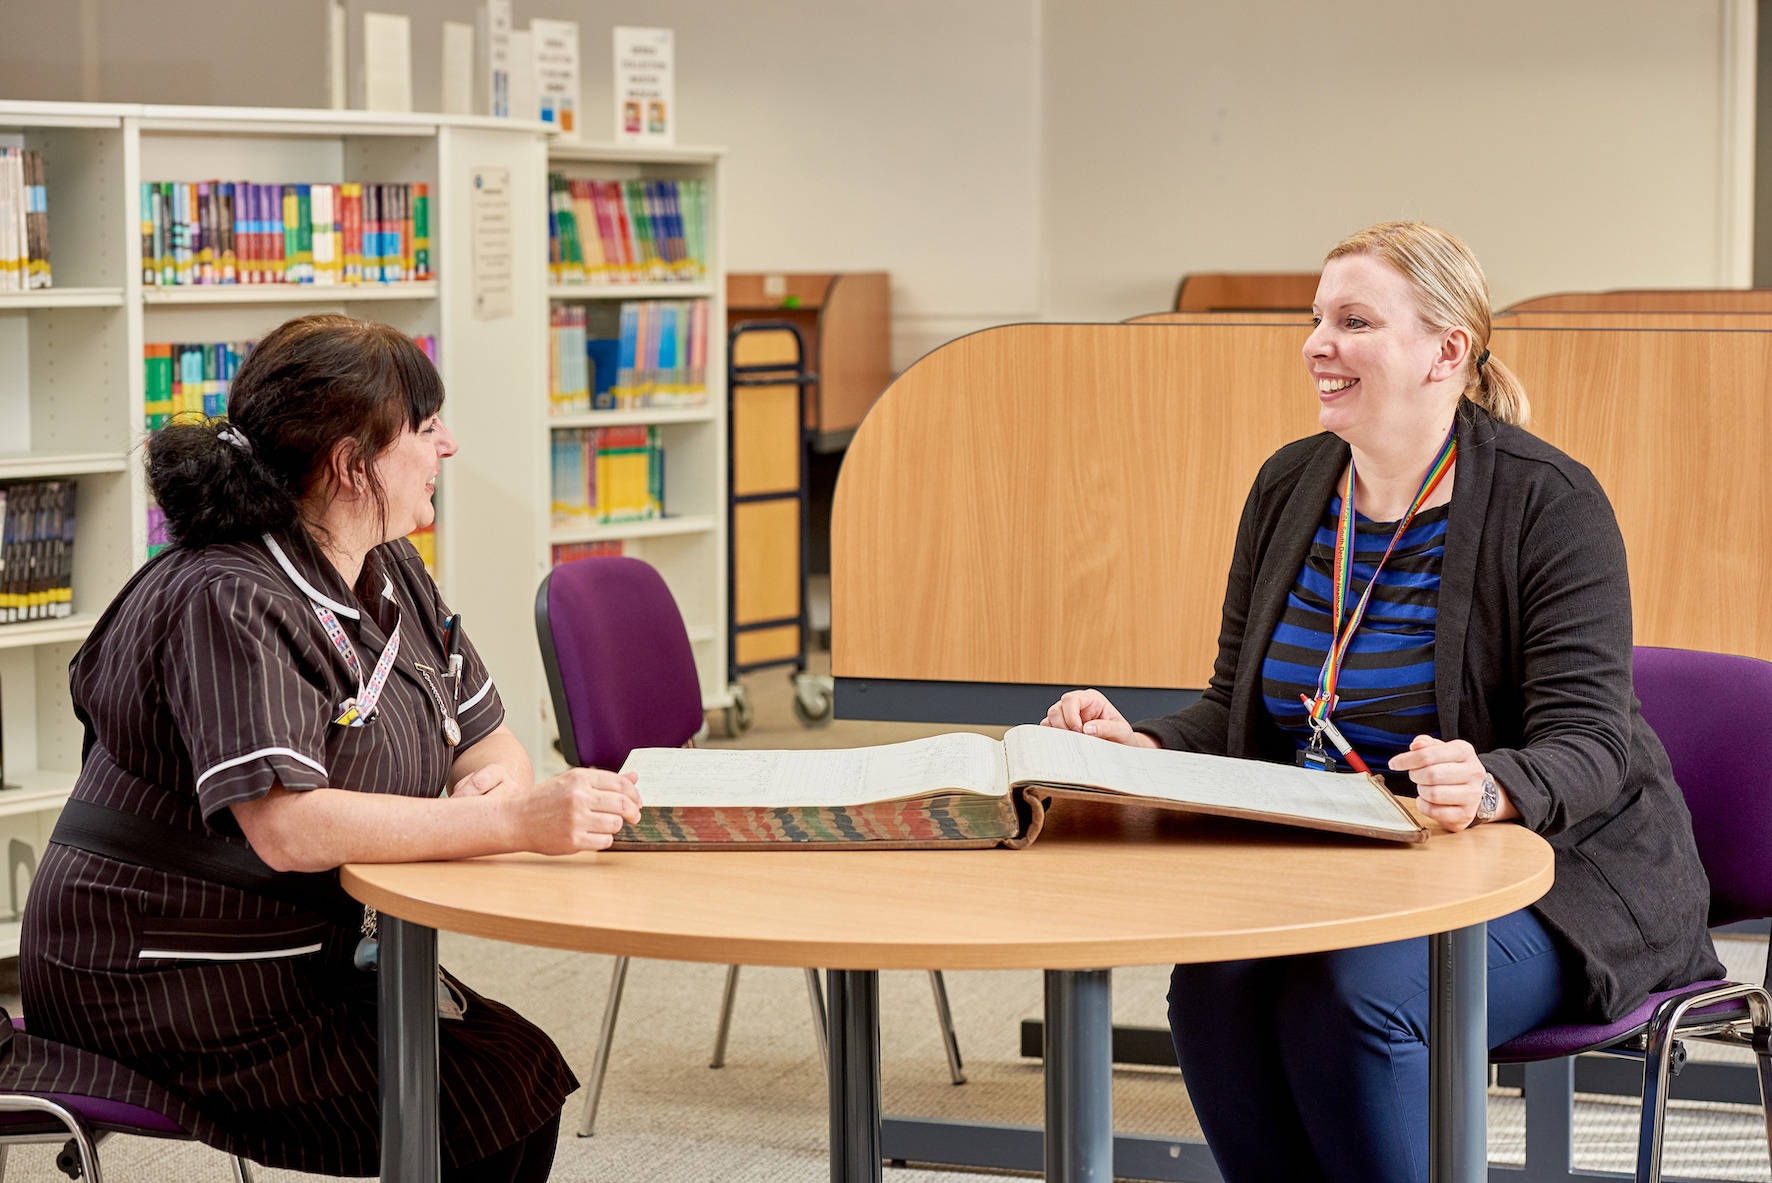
[816,994]
[1762,1041]
[242,1169]
[600,1065]
[949,1042]
[1656,1059]
[726,999]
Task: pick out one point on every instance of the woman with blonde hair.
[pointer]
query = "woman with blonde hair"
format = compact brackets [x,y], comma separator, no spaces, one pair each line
[1449,593]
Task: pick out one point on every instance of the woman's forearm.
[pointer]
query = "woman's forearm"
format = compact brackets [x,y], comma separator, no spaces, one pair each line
[319,829]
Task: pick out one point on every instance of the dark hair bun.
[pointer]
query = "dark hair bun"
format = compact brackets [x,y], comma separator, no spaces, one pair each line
[213,490]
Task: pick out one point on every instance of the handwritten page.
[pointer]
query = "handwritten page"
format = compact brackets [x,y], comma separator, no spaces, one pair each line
[683,777]
[1048,755]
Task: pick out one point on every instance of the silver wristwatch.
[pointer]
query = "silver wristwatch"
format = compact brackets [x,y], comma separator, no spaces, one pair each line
[1490,803]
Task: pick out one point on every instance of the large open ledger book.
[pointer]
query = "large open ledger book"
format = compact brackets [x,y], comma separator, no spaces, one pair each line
[970,790]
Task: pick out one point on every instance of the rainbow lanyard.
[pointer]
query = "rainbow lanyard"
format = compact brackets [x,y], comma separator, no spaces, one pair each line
[1341,640]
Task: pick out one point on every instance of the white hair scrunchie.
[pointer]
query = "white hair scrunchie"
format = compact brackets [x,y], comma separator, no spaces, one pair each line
[233,436]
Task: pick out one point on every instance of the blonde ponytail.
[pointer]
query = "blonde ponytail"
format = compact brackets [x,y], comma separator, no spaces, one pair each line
[1450,292]
[1497,391]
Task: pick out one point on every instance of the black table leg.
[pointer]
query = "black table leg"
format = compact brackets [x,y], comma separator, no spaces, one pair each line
[407,961]
[1458,1055]
[853,1024]
[1079,1076]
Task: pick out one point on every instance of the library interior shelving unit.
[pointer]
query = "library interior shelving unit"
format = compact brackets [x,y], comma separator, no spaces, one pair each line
[72,387]
[688,544]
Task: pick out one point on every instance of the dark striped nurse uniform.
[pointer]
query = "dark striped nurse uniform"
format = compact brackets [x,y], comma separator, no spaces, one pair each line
[1386,692]
[209,679]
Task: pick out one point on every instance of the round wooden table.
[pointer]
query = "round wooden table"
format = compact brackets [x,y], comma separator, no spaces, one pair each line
[1102,887]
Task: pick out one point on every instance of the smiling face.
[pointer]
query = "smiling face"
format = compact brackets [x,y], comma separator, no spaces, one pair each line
[1378,370]
[407,470]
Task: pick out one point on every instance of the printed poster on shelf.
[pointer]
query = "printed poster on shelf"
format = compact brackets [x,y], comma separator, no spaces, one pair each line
[556,74]
[645,90]
[489,212]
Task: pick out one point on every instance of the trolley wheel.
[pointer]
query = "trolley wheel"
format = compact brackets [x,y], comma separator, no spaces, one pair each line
[814,698]
[738,715]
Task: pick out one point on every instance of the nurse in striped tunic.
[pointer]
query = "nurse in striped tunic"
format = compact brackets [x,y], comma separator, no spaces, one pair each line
[270,698]
[1450,594]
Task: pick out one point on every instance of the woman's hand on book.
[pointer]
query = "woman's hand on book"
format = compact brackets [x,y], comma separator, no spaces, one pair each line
[1089,712]
[581,809]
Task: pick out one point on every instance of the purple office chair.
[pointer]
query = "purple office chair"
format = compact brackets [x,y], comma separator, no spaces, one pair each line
[1713,713]
[82,1121]
[622,676]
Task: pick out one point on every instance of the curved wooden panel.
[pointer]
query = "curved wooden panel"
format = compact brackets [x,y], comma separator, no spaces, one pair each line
[1057,503]
[1652,300]
[1247,317]
[1232,291]
[1674,424]
[1634,320]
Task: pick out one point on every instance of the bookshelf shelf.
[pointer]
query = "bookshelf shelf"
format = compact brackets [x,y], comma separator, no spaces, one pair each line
[288,293]
[560,152]
[655,528]
[47,632]
[24,466]
[35,791]
[630,291]
[63,298]
[646,415]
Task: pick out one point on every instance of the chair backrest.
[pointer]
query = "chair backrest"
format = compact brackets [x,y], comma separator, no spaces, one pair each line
[618,660]
[1713,712]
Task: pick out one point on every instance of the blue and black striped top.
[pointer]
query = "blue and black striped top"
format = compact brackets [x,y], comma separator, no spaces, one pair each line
[1387,682]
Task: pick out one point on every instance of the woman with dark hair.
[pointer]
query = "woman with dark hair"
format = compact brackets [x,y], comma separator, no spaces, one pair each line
[270,698]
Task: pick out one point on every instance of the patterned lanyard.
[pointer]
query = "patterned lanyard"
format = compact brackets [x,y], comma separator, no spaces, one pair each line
[1340,639]
[357,709]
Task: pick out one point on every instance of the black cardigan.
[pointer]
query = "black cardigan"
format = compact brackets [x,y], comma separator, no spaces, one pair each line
[1532,665]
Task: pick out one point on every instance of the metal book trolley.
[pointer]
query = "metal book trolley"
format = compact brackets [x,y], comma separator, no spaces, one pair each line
[767,517]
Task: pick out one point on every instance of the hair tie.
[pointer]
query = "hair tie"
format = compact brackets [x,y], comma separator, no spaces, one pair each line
[1482,359]
[232,436]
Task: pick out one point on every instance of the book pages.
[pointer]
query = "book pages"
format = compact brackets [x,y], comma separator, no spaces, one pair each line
[712,777]
[1048,755]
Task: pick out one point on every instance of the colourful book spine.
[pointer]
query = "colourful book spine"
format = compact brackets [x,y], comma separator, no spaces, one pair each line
[150,249]
[351,199]
[421,231]
[204,267]
[157,384]
[168,234]
[408,235]
[227,223]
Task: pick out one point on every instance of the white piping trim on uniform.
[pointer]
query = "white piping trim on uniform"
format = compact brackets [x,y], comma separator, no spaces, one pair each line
[249,756]
[263,955]
[387,589]
[307,588]
[477,697]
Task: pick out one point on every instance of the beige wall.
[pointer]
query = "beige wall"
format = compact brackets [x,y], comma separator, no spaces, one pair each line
[1018,159]
[1574,144]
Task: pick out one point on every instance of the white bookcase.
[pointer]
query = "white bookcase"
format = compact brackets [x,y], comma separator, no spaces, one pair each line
[688,545]
[71,379]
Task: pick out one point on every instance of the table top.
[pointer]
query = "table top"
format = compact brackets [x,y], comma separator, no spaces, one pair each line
[1103,886]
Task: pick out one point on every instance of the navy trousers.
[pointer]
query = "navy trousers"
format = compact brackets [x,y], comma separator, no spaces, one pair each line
[1316,1067]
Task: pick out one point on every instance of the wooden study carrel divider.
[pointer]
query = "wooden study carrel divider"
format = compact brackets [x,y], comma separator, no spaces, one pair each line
[1055,505]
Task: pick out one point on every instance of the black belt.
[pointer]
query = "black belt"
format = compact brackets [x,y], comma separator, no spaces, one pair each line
[133,838]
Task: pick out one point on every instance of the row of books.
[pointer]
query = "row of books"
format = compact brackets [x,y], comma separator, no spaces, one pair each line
[24,221]
[230,232]
[186,379]
[607,474]
[658,357]
[610,232]
[567,552]
[37,550]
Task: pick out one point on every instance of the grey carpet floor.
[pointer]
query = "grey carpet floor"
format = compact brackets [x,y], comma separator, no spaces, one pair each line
[667,1118]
